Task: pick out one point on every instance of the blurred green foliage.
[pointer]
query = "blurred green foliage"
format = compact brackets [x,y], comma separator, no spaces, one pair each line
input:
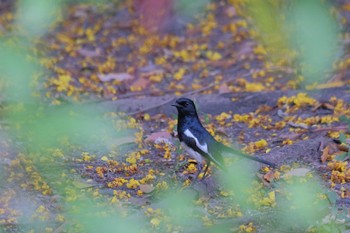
[35,17]
[42,126]
[306,27]
[39,126]
[303,206]
[239,180]
[315,34]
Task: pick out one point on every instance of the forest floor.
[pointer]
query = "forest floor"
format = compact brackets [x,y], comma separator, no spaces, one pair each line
[104,55]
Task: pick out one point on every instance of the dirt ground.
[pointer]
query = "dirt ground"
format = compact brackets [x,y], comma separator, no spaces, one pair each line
[104,55]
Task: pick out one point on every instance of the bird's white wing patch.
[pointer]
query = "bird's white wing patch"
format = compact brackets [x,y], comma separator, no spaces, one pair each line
[203,147]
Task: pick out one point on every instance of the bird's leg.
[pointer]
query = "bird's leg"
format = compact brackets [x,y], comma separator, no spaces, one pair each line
[199,170]
[205,170]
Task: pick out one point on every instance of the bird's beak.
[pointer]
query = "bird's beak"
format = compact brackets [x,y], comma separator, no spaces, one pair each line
[176,105]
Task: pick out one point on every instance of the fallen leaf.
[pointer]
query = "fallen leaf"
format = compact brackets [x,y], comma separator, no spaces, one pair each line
[323,105]
[160,117]
[146,188]
[152,138]
[139,84]
[296,125]
[89,53]
[333,148]
[263,108]
[122,77]
[150,70]
[346,193]
[270,176]
[325,154]
[343,148]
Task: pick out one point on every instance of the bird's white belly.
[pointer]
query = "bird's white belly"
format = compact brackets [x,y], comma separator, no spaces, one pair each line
[194,155]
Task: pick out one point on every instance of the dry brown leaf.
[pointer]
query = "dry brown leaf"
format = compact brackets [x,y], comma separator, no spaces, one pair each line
[140,84]
[323,105]
[157,135]
[263,108]
[160,117]
[270,176]
[333,148]
[347,193]
[122,77]
[316,107]
[150,70]
[325,154]
[328,106]
[343,148]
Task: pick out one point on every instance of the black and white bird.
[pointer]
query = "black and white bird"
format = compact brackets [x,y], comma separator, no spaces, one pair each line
[198,142]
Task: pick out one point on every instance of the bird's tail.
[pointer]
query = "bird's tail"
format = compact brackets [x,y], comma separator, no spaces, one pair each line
[237,152]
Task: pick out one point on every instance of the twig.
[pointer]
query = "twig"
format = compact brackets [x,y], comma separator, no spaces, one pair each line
[185,94]
[335,128]
[152,107]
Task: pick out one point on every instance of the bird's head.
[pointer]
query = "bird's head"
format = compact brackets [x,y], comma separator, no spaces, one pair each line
[185,106]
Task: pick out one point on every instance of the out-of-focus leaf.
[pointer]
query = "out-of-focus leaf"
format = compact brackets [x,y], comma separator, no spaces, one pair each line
[53,126]
[94,218]
[314,33]
[238,179]
[17,71]
[303,207]
[180,206]
[267,18]
[306,27]
[34,17]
